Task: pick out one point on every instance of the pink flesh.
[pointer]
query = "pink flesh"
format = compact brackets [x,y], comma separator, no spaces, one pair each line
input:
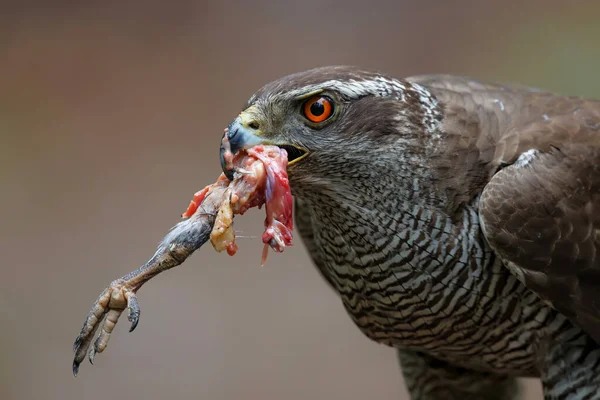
[278,197]
[261,178]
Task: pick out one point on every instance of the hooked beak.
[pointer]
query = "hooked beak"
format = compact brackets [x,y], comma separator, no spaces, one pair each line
[243,133]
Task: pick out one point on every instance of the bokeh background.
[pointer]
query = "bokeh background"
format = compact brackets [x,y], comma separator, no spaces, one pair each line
[110,119]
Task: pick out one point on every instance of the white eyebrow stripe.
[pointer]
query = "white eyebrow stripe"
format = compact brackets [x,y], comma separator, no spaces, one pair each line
[353,88]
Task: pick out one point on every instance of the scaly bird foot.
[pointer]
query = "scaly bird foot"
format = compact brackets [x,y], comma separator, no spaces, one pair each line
[105,313]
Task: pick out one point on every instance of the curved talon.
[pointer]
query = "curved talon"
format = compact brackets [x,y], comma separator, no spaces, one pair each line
[134,311]
[92,355]
[75,367]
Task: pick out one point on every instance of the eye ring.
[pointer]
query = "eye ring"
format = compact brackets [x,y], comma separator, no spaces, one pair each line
[318,108]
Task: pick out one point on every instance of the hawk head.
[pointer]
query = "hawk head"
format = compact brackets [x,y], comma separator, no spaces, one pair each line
[341,127]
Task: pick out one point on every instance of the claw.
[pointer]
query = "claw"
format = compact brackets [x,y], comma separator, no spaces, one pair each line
[75,367]
[134,312]
[92,354]
[134,319]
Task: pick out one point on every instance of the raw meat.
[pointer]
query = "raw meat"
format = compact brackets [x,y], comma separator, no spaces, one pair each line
[260,178]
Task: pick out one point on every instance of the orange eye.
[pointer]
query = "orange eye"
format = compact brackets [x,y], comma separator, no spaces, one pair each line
[318,108]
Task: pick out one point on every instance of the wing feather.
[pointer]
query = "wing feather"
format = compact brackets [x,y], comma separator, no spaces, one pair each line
[542,217]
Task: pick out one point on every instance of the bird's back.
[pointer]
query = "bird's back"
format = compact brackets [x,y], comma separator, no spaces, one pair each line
[487,126]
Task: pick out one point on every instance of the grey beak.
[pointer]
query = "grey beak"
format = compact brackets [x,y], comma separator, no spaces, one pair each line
[236,137]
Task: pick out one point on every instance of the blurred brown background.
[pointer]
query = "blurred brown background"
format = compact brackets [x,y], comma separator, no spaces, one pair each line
[110,119]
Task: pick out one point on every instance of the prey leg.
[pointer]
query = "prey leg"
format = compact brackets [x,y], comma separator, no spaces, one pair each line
[181,241]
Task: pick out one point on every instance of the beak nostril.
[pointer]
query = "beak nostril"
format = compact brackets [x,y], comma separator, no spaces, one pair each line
[254,125]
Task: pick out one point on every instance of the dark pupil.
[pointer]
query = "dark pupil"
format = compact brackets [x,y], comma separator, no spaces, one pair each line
[317,108]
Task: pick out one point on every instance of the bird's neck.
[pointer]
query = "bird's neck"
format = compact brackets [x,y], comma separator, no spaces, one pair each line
[400,225]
